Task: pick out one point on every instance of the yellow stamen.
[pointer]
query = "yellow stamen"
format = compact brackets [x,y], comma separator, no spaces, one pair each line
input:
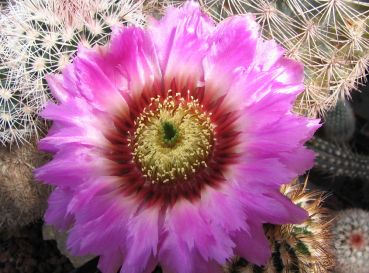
[173,138]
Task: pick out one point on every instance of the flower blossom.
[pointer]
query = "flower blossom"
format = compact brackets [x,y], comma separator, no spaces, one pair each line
[171,143]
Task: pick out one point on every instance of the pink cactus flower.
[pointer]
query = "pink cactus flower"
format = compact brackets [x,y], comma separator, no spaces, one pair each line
[171,143]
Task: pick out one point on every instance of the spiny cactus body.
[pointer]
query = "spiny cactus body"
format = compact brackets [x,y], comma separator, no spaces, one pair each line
[339,123]
[339,161]
[300,248]
[39,37]
[350,233]
[331,38]
[22,200]
[17,112]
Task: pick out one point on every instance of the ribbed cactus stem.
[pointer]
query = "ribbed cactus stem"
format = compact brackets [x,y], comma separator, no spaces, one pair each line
[339,122]
[339,161]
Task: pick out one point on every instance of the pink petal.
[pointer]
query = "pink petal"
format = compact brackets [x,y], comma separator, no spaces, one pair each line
[96,82]
[142,240]
[232,50]
[78,122]
[253,245]
[229,216]
[270,206]
[132,52]
[56,213]
[195,234]
[111,261]
[269,172]
[55,83]
[72,166]
[180,39]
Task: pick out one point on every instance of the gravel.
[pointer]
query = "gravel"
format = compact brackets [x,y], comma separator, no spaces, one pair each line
[24,251]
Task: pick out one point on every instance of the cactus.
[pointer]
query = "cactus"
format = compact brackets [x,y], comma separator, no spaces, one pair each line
[39,37]
[339,161]
[339,123]
[18,112]
[302,248]
[350,233]
[329,36]
[22,200]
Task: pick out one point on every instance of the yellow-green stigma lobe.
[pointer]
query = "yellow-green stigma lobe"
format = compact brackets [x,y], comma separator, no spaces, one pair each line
[173,138]
[170,133]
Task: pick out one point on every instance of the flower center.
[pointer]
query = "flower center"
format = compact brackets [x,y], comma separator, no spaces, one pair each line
[173,138]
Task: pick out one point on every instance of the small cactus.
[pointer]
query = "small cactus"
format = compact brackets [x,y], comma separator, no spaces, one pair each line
[339,161]
[22,200]
[329,36]
[339,123]
[39,37]
[350,232]
[302,248]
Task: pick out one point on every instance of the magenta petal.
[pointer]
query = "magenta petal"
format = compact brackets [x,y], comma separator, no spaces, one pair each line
[111,261]
[56,213]
[99,90]
[233,47]
[272,207]
[93,231]
[70,81]
[299,160]
[253,245]
[72,166]
[142,238]
[150,266]
[266,172]
[55,83]
[180,261]
[188,220]
[268,54]
[229,216]
[78,121]
[180,39]
[133,53]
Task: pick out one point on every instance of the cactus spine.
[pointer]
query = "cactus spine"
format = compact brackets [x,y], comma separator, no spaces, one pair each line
[300,248]
[39,37]
[22,200]
[351,241]
[339,161]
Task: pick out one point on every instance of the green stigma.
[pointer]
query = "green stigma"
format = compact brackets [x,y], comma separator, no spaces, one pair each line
[170,133]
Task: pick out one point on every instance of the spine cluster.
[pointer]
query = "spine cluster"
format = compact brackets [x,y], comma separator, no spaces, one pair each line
[300,248]
[40,37]
[350,232]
